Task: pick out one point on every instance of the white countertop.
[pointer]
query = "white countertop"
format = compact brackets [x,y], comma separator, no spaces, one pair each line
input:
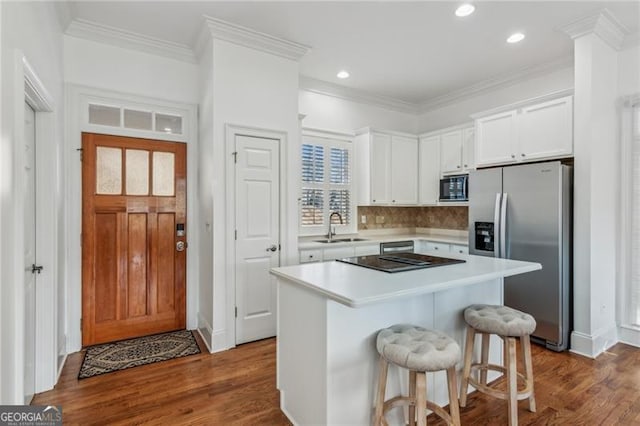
[308,243]
[357,286]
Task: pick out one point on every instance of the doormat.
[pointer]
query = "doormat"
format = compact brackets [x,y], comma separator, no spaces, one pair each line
[109,357]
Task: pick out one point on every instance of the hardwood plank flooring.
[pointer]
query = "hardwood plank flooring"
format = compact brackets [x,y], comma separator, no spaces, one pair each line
[238,387]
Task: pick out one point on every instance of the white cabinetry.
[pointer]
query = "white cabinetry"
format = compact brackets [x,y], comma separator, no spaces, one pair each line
[451,152]
[332,253]
[387,168]
[429,170]
[308,256]
[468,149]
[529,132]
[457,248]
[367,250]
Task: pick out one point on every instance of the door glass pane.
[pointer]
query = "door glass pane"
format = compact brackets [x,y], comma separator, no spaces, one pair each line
[108,170]
[137,119]
[163,173]
[105,115]
[169,124]
[137,176]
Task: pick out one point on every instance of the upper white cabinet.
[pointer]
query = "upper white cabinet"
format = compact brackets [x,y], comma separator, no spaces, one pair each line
[457,151]
[535,131]
[429,170]
[387,168]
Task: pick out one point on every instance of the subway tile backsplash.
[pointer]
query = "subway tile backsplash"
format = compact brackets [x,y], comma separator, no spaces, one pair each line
[441,217]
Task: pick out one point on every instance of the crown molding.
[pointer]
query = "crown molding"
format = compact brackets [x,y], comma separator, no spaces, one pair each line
[222,30]
[603,23]
[129,40]
[313,85]
[631,41]
[495,83]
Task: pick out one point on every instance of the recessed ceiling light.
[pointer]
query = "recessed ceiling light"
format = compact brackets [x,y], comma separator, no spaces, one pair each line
[465,10]
[515,38]
[343,74]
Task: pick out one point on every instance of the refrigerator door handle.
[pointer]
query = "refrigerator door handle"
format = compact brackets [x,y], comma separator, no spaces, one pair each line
[497,229]
[503,226]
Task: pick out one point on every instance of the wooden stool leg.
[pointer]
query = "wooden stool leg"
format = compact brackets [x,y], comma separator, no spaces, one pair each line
[383,367]
[421,398]
[484,357]
[512,379]
[466,369]
[454,411]
[412,394]
[528,370]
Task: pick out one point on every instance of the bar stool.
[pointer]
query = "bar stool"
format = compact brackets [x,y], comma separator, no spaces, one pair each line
[418,350]
[508,324]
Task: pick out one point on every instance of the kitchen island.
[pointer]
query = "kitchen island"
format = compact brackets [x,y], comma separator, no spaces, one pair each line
[328,317]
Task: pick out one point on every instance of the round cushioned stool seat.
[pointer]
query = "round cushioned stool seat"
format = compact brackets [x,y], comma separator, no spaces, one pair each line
[417,348]
[501,320]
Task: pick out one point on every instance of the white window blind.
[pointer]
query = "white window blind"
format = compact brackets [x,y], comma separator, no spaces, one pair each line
[634,287]
[327,185]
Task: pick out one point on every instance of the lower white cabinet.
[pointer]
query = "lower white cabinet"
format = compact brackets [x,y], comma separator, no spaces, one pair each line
[441,247]
[308,256]
[337,253]
[368,250]
[455,248]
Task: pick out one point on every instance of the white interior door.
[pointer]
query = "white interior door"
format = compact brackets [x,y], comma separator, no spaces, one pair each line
[29,252]
[258,236]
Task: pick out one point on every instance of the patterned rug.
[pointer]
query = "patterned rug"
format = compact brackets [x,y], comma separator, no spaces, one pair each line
[108,357]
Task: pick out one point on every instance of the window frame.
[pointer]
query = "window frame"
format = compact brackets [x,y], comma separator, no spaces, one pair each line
[328,140]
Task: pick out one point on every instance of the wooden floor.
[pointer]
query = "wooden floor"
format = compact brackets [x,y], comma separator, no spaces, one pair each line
[238,387]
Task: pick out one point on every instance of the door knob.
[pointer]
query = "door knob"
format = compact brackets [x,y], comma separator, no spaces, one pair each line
[36,268]
[272,248]
[181,245]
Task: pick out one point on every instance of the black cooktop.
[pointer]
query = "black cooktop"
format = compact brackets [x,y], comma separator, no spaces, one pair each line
[399,262]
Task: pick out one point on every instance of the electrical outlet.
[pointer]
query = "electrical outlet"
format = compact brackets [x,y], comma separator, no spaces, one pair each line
[363,219]
[379,219]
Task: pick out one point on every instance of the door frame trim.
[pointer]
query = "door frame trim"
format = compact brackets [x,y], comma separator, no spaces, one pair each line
[231,131]
[28,88]
[77,123]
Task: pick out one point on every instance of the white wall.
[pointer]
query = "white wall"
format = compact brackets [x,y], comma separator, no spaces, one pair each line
[597,160]
[205,197]
[629,71]
[129,71]
[331,113]
[459,112]
[253,89]
[32,28]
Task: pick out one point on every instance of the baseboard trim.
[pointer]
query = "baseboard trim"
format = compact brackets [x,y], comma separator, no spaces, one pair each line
[629,335]
[593,345]
[220,341]
[205,331]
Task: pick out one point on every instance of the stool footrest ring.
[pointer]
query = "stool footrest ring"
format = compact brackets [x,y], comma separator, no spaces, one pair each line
[484,388]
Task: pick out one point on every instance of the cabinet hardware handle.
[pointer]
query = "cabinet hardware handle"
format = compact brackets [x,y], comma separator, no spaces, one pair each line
[393,201]
[466,165]
[513,156]
[523,154]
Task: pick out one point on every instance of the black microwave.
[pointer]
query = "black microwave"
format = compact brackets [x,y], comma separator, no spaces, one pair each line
[454,188]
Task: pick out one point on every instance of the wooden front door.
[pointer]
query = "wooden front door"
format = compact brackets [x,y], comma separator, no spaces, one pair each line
[133,237]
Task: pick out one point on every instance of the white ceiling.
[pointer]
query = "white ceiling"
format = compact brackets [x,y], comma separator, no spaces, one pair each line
[407,51]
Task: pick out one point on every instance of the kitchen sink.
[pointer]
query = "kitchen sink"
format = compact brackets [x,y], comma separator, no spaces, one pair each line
[340,240]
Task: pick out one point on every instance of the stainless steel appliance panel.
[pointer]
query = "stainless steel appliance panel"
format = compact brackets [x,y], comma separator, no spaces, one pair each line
[484,186]
[534,233]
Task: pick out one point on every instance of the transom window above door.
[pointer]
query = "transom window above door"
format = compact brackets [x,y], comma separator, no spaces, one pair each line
[136,119]
[134,172]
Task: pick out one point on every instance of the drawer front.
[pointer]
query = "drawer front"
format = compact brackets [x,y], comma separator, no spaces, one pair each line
[337,253]
[441,247]
[459,249]
[367,250]
[308,256]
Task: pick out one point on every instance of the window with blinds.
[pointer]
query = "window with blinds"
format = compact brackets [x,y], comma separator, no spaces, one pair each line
[326,184]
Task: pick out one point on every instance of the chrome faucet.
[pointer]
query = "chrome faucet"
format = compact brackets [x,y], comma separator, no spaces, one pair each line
[331,232]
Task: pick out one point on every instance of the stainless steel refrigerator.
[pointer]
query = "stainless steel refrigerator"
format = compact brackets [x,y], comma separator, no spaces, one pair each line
[524,213]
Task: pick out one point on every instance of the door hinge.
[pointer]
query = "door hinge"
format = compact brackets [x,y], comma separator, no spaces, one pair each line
[80,324]
[279,247]
[235,156]
[236,312]
[235,235]
[80,150]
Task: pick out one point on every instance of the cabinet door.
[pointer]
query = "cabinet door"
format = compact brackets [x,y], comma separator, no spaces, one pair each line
[367,250]
[309,256]
[429,170]
[468,148]
[404,170]
[496,139]
[456,248]
[451,152]
[337,253]
[380,169]
[546,129]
